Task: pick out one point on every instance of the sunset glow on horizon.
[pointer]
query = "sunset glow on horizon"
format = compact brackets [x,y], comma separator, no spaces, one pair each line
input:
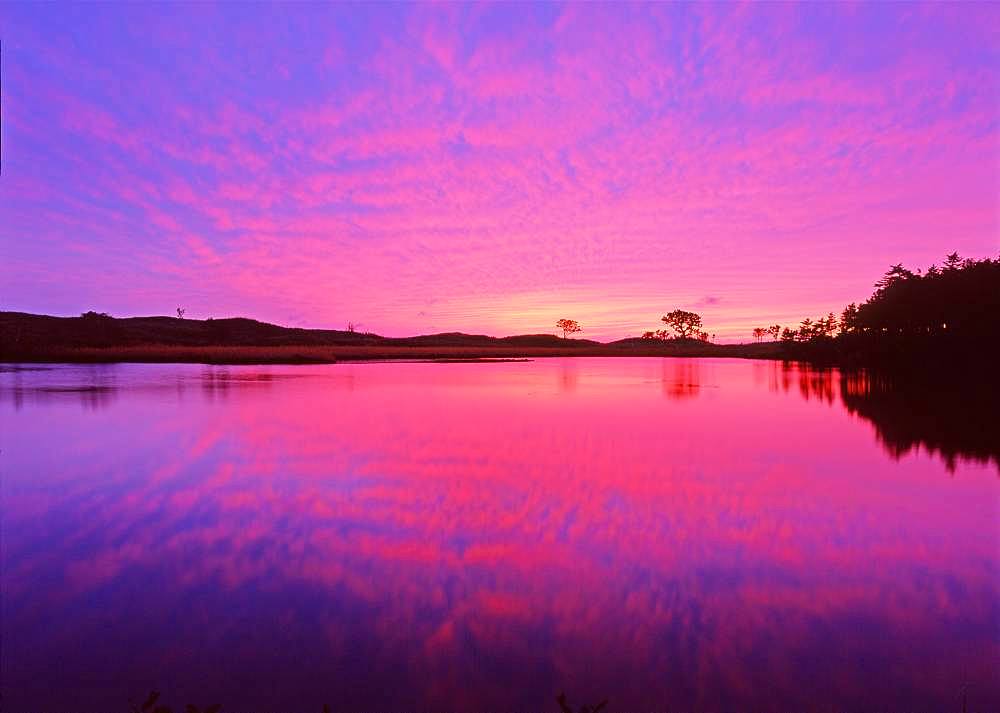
[491,168]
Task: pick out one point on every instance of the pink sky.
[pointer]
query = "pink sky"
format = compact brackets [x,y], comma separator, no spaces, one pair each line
[490,169]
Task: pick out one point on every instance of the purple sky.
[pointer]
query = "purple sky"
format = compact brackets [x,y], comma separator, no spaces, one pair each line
[491,168]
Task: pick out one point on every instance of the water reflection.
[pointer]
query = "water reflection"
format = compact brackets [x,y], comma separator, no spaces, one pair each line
[569,375]
[93,386]
[472,536]
[953,416]
[681,378]
[96,386]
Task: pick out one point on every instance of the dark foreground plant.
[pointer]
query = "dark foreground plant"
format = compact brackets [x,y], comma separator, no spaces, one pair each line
[566,708]
[154,696]
[149,706]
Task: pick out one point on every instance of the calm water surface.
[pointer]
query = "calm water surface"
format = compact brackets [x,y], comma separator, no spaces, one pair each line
[667,533]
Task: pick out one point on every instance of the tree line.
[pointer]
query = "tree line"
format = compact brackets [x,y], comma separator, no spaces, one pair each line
[760,332]
[952,309]
[681,325]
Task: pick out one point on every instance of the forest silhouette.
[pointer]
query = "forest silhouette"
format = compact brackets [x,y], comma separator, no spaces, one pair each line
[950,312]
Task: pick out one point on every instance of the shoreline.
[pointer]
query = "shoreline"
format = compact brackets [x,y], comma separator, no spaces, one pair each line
[299,354]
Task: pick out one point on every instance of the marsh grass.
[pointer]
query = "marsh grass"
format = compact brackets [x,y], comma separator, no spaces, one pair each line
[292,354]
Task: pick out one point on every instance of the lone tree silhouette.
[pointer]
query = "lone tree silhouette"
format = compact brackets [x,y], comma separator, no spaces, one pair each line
[568,326]
[180,312]
[685,324]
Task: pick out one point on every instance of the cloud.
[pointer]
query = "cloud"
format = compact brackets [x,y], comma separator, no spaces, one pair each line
[475,155]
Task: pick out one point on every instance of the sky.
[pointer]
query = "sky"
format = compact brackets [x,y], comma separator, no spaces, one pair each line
[486,168]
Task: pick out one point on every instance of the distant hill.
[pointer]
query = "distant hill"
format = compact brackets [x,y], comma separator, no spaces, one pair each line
[459,339]
[21,332]
[96,337]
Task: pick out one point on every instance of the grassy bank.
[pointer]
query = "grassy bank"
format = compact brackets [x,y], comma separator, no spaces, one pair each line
[299,354]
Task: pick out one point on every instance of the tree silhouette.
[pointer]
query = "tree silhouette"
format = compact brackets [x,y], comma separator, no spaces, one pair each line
[849,319]
[829,325]
[774,330]
[952,311]
[685,324]
[568,326]
[897,273]
[805,330]
[180,313]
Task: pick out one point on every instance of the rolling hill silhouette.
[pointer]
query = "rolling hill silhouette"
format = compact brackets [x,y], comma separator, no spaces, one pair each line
[96,337]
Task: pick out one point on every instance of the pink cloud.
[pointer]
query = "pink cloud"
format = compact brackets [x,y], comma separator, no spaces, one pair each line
[651,155]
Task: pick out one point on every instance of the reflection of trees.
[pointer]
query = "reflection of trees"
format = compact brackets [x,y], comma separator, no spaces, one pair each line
[683,380]
[813,382]
[817,384]
[215,382]
[952,417]
[568,376]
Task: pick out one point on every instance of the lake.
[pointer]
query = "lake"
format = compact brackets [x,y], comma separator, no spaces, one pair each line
[670,534]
